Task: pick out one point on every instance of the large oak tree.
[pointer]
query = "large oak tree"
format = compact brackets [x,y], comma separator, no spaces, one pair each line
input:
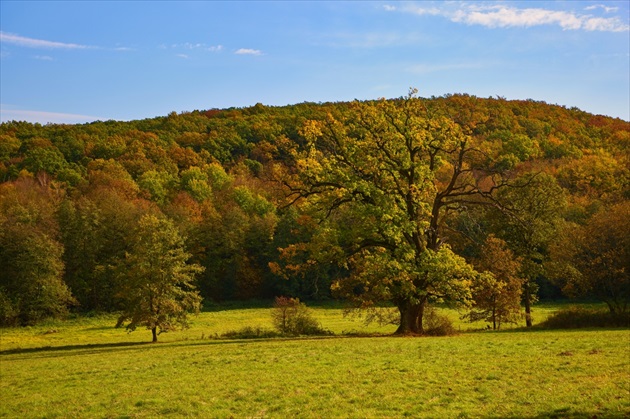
[382,177]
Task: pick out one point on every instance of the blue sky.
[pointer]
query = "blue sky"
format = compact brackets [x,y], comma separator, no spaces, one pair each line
[76,62]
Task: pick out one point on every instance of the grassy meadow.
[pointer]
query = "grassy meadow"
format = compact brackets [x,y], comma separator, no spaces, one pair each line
[85,367]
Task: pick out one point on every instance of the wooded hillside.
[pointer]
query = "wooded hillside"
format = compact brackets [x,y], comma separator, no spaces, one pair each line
[479,202]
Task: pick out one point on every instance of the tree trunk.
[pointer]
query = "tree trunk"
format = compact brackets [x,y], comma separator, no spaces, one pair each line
[528,305]
[409,315]
[154,331]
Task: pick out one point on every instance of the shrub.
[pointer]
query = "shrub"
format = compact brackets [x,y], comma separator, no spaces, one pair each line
[437,324]
[291,317]
[249,332]
[578,317]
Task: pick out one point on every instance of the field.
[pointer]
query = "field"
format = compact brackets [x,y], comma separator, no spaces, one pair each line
[86,368]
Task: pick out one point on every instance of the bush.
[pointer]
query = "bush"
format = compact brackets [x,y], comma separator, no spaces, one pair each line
[437,324]
[578,317]
[291,317]
[248,332]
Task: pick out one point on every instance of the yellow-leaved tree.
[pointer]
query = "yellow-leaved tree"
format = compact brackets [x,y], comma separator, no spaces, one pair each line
[381,178]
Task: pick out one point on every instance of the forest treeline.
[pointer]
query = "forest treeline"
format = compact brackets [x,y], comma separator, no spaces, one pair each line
[486,203]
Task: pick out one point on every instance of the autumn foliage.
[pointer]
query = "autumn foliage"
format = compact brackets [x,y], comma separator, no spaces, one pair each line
[409,202]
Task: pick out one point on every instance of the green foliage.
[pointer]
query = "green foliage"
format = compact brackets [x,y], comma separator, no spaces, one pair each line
[156,282]
[254,166]
[381,177]
[31,280]
[31,265]
[44,159]
[252,203]
[9,147]
[388,179]
[521,146]
[293,263]
[157,185]
[594,259]
[217,176]
[195,182]
[73,175]
[237,247]
[111,147]
[515,148]
[535,206]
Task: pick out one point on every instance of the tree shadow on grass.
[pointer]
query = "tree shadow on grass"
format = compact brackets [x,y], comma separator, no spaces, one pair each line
[94,348]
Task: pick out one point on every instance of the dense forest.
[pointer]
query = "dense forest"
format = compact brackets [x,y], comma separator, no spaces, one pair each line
[488,204]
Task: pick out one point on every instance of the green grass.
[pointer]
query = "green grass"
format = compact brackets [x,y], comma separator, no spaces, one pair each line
[86,368]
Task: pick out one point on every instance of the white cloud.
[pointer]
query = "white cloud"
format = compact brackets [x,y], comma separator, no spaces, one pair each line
[43,57]
[248,51]
[37,43]
[184,56]
[43,117]
[188,45]
[603,24]
[432,11]
[24,41]
[193,46]
[603,7]
[502,16]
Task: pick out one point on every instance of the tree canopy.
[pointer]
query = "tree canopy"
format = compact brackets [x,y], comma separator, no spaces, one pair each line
[156,284]
[380,202]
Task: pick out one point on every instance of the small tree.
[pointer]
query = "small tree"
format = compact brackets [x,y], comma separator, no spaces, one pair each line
[535,205]
[497,291]
[156,283]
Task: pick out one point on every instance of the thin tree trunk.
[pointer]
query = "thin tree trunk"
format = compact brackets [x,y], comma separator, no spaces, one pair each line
[154,331]
[528,305]
[420,316]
